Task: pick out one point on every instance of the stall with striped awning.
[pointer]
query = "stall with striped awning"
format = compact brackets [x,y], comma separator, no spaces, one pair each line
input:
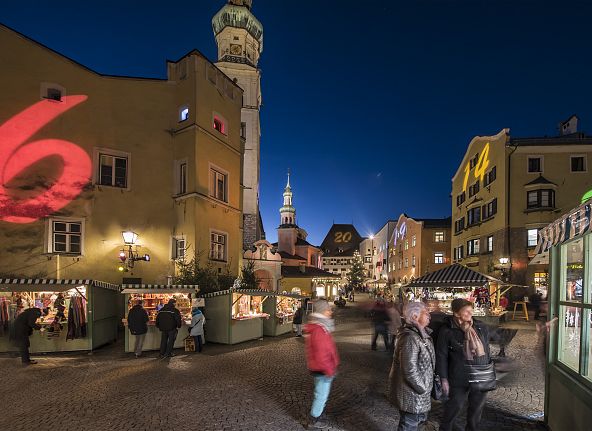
[78,314]
[440,287]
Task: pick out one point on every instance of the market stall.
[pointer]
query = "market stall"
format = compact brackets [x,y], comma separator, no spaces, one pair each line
[437,289]
[281,309]
[154,296]
[235,315]
[76,314]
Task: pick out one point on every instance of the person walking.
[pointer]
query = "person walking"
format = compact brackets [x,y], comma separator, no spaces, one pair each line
[412,373]
[394,323]
[462,342]
[298,321]
[168,320]
[322,358]
[198,320]
[137,322]
[380,320]
[24,325]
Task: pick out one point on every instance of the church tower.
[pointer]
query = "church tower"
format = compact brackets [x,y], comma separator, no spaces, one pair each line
[288,212]
[239,36]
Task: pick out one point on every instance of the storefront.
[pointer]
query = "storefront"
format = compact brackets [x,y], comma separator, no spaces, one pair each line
[281,310]
[236,315]
[154,296]
[76,314]
[567,243]
[437,289]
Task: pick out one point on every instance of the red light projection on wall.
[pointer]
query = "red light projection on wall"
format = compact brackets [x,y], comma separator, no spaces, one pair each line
[17,155]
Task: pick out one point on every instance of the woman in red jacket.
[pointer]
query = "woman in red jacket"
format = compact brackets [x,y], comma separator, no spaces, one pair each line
[321,358]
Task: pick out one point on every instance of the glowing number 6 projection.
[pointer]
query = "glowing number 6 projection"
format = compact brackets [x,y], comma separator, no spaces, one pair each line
[16,155]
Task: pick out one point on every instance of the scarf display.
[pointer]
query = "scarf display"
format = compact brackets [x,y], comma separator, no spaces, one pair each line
[76,318]
[324,321]
[473,346]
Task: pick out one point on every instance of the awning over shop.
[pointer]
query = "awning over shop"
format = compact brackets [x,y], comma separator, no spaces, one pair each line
[455,275]
[253,292]
[573,224]
[48,283]
[159,288]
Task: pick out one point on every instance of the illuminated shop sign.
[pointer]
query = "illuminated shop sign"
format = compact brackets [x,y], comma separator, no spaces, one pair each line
[571,225]
[17,157]
[480,167]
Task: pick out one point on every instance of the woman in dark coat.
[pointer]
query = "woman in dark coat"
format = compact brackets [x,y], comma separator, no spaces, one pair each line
[461,341]
[23,329]
[298,321]
[137,322]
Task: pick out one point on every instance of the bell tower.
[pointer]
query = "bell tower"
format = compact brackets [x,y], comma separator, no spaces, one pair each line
[239,37]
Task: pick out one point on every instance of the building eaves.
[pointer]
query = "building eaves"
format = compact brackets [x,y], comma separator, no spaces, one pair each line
[578,138]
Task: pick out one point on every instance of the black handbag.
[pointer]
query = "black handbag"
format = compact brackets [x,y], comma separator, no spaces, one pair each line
[437,392]
[482,376]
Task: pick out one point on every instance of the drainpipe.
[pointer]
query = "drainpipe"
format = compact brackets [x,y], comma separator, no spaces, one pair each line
[508,193]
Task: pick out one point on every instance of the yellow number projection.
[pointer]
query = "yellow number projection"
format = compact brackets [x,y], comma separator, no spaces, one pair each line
[480,167]
[343,237]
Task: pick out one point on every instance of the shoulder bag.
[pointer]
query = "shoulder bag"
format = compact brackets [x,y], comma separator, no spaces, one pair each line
[437,392]
[482,376]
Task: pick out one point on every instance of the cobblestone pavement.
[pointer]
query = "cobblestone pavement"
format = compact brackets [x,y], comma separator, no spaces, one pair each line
[260,385]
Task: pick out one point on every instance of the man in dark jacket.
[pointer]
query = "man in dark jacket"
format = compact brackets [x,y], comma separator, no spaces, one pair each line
[23,329]
[451,361]
[168,321]
[137,322]
[380,319]
[298,321]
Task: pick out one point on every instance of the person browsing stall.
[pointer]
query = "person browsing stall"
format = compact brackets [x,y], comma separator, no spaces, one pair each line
[168,321]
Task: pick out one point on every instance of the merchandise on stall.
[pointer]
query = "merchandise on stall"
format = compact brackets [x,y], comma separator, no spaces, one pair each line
[245,306]
[153,302]
[286,308]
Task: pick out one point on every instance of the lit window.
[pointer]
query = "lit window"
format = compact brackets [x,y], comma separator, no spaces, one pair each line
[406,244]
[490,243]
[184,113]
[413,241]
[439,236]
[179,248]
[578,163]
[219,125]
[113,170]
[413,260]
[472,247]
[218,246]
[406,262]
[439,257]
[218,189]
[535,164]
[533,237]
[66,237]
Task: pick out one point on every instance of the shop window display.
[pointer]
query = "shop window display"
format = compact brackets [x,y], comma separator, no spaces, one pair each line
[573,271]
[286,308]
[570,330]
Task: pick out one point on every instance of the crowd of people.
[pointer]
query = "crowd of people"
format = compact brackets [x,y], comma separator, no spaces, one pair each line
[453,365]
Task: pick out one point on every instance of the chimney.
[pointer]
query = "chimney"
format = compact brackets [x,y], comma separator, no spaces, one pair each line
[569,126]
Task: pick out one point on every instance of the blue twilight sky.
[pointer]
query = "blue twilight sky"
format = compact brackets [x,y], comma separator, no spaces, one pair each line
[371,104]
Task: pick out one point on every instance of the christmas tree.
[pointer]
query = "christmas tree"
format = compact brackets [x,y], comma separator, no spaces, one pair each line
[355,277]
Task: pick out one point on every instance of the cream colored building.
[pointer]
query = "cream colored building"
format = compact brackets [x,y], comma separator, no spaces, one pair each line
[86,156]
[506,189]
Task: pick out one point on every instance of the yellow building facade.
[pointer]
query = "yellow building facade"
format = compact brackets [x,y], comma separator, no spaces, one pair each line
[505,190]
[87,156]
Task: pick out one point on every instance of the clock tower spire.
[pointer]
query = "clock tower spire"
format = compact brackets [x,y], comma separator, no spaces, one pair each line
[239,36]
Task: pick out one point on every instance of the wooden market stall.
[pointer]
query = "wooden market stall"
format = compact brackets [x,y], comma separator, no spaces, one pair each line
[281,309]
[235,315]
[154,296]
[437,289]
[77,315]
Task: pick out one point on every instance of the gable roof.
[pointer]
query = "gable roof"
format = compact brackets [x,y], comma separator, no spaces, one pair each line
[341,237]
[455,275]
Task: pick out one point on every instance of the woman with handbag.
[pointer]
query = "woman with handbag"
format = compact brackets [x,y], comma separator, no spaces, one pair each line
[463,362]
[198,320]
[412,373]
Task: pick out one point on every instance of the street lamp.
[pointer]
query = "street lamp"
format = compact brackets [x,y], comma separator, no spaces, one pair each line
[128,256]
[505,267]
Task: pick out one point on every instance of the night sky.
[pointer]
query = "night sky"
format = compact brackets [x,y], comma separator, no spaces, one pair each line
[371,104]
